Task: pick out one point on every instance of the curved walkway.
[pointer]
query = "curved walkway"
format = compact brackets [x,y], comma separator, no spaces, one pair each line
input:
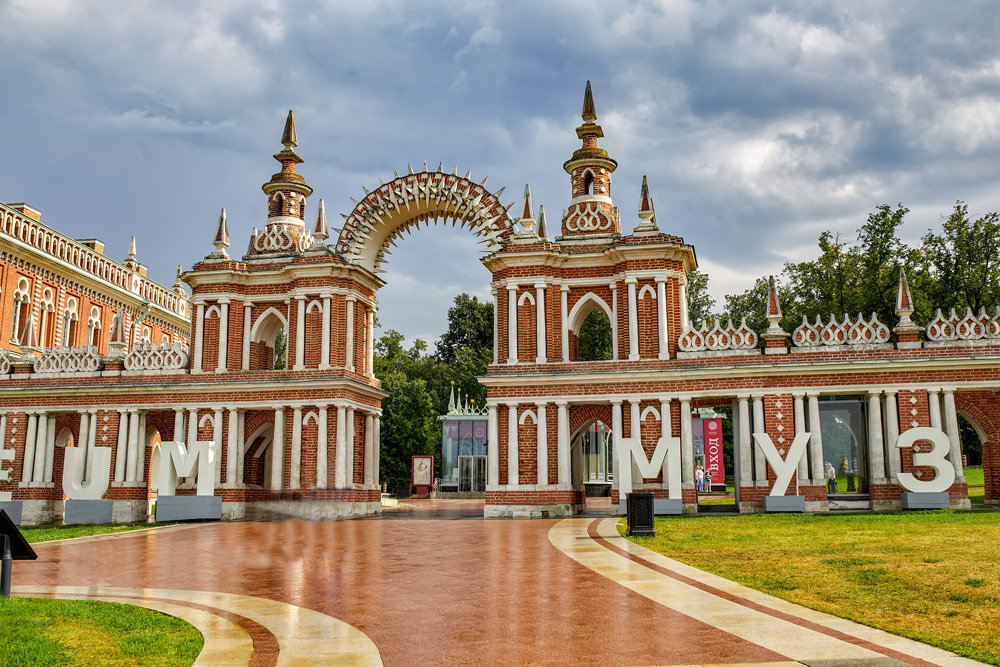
[799,634]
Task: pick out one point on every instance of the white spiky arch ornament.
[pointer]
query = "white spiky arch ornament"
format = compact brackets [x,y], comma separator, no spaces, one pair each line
[426,196]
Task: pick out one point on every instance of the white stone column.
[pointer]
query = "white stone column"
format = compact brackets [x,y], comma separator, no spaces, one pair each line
[542,448]
[665,432]
[800,427]
[192,427]
[321,453]
[759,460]
[934,408]
[324,354]
[50,449]
[876,448]
[232,434]
[564,314]
[635,432]
[687,444]
[492,446]
[241,447]
[349,433]
[512,323]
[951,428]
[121,449]
[816,440]
[496,336]
[633,319]
[178,425]
[295,465]
[278,450]
[614,321]
[512,472]
[892,434]
[222,364]
[349,356]
[300,333]
[340,465]
[378,450]
[245,357]
[132,448]
[661,316]
[217,444]
[745,441]
[38,472]
[685,320]
[28,464]
[369,449]
[84,439]
[370,343]
[541,355]
[199,334]
[617,424]
[564,476]
[91,442]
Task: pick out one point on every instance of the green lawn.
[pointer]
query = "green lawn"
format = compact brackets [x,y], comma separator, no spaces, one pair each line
[49,533]
[974,478]
[89,632]
[930,576]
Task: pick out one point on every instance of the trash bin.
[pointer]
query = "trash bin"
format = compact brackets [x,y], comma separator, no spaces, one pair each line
[403,491]
[639,513]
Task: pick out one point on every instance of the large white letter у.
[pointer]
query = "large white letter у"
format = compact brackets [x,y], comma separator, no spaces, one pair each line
[783,468]
[176,460]
[630,449]
[100,473]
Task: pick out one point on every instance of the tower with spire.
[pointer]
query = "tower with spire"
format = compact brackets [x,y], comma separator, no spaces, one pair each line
[591,210]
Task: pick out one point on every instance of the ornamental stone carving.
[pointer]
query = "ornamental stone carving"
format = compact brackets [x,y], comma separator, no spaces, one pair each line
[589,217]
[981,329]
[153,357]
[4,364]
[69,360]
[278,238]
[843,335]
[718,339]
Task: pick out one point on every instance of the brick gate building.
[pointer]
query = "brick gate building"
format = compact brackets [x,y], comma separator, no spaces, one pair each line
[303,440]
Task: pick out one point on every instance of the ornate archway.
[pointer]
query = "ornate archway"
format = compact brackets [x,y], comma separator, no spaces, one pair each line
[394,207]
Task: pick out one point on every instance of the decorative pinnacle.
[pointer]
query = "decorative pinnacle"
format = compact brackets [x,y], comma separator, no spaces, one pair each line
[131,249]
[178,285]
[527,212]
[527,217]
[646,212]
[543,230]
[645,202]
[773,311]
[221,241]
[288,137]
[320,230]
[589,113]
[904,301]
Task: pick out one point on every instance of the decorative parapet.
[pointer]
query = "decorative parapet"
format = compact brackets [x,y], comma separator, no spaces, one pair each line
[717,341]
[844,335]
[69,360]
[153,357]
[951,331]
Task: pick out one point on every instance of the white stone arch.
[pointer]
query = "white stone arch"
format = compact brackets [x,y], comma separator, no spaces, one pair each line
[208,419]
[526,297]
[315,304]
[267,325]
[576,449]
[526,415]
[213,311]
[265,431]
[65,438]
[650,410]
[581,309]
[425,197]
[311,415]
[647,289]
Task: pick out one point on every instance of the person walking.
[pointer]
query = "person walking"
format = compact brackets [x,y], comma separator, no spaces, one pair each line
[831,478]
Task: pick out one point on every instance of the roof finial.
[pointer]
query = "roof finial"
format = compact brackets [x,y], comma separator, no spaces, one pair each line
[320,230]
[288,137]
[904,300]
[178,285]
[589,112]
[131,249]
[527,217]
[543,230]
[117,344]
[221,240]
[646,213]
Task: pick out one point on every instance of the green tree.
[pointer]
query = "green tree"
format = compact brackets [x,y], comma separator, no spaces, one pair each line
[700,303]
[965,261]
[280,348]
[470,326]
[594,342]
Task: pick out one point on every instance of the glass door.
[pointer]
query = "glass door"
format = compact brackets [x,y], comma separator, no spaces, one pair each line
[479,478]
[472,474]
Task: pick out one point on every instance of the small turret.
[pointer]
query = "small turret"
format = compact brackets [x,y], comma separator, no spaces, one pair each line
[591,211]
[287,190]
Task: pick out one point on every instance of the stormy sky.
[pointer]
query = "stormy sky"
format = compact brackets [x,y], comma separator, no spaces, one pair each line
[759,124]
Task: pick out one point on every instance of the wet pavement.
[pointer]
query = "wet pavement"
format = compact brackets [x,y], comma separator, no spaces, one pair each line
[429,583]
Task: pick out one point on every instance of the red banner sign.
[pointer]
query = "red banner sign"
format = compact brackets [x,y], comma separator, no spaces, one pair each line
[713,450]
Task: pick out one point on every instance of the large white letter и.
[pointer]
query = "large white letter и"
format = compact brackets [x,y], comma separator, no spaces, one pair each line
[100,473]
[629,449]
[783,468]
[945,471]
[176,460]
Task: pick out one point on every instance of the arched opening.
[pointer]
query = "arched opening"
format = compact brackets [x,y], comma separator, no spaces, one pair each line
[588,183]
[267,342]
[63,440]
[590,331]
[592,463]
[257,460]
[973,439]
[151,443]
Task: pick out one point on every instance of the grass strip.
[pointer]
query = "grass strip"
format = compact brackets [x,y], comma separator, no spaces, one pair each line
[49,533]
[89,632]
[929,576]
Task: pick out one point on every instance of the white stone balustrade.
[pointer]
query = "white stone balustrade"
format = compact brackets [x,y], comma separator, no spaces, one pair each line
[981,329]
[843,335]
[718,339]
[155,357]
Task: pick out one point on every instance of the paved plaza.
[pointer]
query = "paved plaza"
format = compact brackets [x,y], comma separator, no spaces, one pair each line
[434,583]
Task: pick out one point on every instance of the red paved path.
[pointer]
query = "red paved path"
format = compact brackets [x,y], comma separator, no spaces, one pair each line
[426,590]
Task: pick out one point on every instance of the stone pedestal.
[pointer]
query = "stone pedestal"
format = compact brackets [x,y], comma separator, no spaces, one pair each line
[13,510]
[784,504]
[88,511]
[925,501]
[188,508]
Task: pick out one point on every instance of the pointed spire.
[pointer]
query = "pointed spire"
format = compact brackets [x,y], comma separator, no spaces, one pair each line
[527,220]
[646,213]
[773,305]
[221,240]
[288,137]
[131,262]
[904,300]
[543,230]
[131,248]
[774,337]
[178,285]
[589,112]
[320,229]
[451,399]
[118,343]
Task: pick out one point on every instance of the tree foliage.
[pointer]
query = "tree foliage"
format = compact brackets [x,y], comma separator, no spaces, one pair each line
[594,342]
[700,303]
